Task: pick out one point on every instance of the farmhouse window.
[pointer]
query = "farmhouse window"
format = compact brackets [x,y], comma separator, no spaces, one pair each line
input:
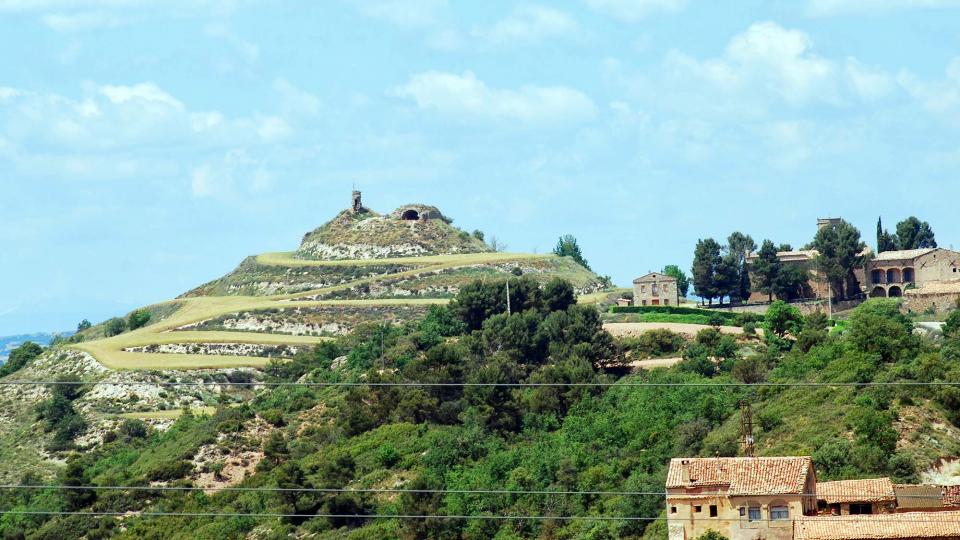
[713,510]
[779,513]
[754,513]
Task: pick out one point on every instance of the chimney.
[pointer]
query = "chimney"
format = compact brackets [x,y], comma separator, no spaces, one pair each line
[685,471]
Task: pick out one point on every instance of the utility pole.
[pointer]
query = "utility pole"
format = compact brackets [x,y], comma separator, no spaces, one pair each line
[746,429]
[508,297]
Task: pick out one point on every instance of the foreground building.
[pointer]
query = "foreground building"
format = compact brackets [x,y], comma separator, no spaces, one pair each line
[741,498]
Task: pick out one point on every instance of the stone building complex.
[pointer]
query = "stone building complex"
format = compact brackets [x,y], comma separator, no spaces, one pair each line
[779,498]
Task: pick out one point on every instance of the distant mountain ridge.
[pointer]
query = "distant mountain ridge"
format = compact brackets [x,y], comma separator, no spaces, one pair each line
[9,343]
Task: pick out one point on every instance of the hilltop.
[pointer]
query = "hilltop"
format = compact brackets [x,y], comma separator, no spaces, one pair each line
[270,308]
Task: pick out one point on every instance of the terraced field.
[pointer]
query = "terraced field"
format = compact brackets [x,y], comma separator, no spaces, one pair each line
[183,319]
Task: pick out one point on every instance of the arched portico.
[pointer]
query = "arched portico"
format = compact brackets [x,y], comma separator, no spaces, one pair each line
[895,292]
[878,292]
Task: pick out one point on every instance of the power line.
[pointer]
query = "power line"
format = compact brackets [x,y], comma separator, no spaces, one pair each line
[414,491]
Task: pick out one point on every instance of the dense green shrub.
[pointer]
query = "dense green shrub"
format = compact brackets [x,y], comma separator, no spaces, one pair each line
[20,357]
[138,319]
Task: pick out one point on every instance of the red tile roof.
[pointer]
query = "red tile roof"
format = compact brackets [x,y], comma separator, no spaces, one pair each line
[951,496]
[910,525]
[852,491]
[742,476]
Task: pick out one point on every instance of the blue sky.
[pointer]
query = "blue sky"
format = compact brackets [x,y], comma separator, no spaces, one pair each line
[148,146]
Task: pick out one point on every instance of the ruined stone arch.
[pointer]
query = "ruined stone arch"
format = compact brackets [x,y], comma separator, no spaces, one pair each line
[410,214]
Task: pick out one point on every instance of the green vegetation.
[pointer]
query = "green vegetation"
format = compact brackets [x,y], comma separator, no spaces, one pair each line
[840,252]
[20,357]
[911,233]
[567,246]
[683,282]
[687,315]
[721,271]
[138,319]
[58,415]
[553,438]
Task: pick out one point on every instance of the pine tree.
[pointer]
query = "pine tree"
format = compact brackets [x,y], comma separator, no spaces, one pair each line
[766,269]
[885,242]
[706,259]
[567,246]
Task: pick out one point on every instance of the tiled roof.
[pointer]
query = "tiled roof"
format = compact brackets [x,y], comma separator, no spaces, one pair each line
[887,526]
[951,496]
[897,255]
[808,254]
[847,491]
[654,276]
[742,476]
[918,496]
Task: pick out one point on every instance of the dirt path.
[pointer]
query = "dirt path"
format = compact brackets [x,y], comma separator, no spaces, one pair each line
[635,329]
[654,363]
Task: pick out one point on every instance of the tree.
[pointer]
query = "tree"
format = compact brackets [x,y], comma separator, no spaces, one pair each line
[885,241]
[877,327]
[791,281]
[712,535]
[915,234]
[726,279]
[558,295]
[115,327]
[20,357]
[739,247]
[951,328]
[84,325]
[782,319]
[567,247]
[706,259]
[840,249]
[766,269]
[683,282]
[138,319]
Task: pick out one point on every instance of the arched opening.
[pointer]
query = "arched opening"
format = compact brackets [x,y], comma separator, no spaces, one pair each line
[893,275]
[876,276]
[410,215]
[878,292]
[908,275]
[895,292]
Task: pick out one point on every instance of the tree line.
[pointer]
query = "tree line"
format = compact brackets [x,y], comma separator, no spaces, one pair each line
[735,270]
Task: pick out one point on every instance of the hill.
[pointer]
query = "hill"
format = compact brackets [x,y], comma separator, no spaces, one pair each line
[9,343]
[271,308]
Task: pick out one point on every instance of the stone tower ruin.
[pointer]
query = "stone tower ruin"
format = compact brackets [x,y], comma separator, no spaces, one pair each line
[357,202]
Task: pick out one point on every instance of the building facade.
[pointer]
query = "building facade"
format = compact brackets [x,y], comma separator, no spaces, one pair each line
[656,289]
[741,498]
[891,273]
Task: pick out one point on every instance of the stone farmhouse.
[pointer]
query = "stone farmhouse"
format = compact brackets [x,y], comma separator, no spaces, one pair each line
[741,498]
[778,498]
[656,289]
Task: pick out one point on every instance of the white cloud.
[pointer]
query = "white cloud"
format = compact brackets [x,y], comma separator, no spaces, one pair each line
[466,95]
[405,13]
[825,8]
[247,50]
[145,92]
[82,21]
[935,96]
[867,82]
[635,10]
[235,171]
[528,24]
[771,58]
